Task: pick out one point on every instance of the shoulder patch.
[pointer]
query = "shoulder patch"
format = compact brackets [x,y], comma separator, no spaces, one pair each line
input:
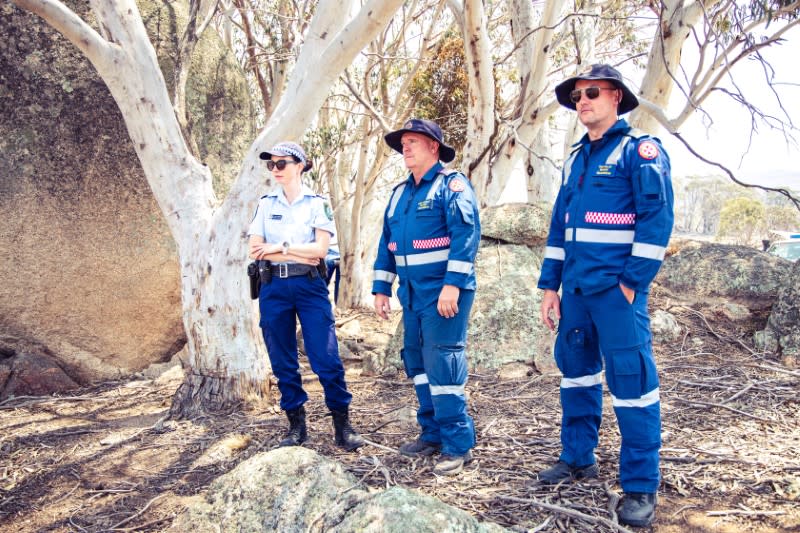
[328,210]
[648,150]
[457,185]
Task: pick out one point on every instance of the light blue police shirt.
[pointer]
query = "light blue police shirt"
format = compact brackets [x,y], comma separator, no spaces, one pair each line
[277,221]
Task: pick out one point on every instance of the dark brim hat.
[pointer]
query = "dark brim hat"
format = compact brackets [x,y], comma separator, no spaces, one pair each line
[598,72]
[293,150]
[425,127]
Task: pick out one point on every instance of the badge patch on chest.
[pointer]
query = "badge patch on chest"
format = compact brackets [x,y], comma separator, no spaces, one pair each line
[424,205]
[276,217]
[648,150]
[457,185]
[605,170]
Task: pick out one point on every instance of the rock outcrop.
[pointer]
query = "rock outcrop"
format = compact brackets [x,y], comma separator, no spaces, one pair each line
[295,489]
[89,269]
[782,334]
[715,273]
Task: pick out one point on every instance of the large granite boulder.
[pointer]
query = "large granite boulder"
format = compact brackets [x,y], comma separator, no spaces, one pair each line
[90,272]
[782,334]
[518,223]
[710,274]
[294,489]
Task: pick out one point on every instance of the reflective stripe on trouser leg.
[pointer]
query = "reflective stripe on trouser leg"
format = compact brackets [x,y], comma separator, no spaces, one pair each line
[415,369]
[624,333]
[443,351]
[319,338]
[578,357]
[278,327]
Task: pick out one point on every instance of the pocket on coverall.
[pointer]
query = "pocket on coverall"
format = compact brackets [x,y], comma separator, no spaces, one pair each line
[625,377]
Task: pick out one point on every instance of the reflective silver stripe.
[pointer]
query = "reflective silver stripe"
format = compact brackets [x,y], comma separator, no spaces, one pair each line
[614,156]
[383,275]
[420,379]
[422,259]
[435,187]
[568,164]
[583,381]
[462,267]
[398,192]
[649,251]
[553,252]
[568,234]
[648,399]
[609,236]
[438,390]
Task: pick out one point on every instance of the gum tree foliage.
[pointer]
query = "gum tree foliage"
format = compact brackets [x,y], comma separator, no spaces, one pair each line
[742,220]
[226,363]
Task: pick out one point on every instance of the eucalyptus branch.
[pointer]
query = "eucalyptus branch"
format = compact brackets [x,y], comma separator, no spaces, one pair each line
[732,177]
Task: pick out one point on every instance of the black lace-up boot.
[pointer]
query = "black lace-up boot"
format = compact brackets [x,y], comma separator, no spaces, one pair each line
[346,436]
[637,509]
[297,427]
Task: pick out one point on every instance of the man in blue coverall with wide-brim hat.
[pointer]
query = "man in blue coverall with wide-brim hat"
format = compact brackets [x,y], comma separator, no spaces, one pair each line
[430,238]
[608,234]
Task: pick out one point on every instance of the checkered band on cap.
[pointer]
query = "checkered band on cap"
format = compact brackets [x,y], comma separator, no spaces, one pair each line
[424,244]
[594,217]
[291,149]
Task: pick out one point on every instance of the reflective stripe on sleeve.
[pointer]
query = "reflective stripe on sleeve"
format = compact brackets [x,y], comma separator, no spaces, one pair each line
[582,381]
[383,275]
[422,259]
[420,379]
[648,251]
[462,267]
[554,252]
[648,399]
[605,236]
[438,390]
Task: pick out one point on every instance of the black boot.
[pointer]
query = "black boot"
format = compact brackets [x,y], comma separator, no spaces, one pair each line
[297,427]
[637,509]
[345,435]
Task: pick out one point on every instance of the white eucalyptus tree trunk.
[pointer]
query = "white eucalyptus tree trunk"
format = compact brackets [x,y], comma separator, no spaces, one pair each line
[675,26]
[227,364]
[533,108]
[480,114]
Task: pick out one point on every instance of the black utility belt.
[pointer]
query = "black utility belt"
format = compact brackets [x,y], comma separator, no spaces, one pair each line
[289,270]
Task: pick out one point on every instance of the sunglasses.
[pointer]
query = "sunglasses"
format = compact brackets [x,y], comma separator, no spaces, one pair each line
[279,164]
[591,93]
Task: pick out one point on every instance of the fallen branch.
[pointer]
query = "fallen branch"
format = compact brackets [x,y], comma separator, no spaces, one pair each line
[568,512]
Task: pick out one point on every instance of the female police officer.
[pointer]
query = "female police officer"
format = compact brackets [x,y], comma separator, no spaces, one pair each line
[291,230]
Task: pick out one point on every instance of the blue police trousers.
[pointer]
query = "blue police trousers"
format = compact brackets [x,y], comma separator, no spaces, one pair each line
[280,302]
[600,328]
[434,357]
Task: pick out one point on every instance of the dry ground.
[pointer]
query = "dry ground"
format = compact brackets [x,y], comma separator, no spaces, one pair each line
[97,460]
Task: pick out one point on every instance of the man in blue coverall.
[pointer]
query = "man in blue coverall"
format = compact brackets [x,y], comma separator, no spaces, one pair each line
[609,230]
[431,233]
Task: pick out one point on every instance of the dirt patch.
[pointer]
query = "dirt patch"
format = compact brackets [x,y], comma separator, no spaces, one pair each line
[102,459]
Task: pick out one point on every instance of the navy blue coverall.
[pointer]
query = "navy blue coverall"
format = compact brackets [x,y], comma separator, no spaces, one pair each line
[430,238]
[611,224]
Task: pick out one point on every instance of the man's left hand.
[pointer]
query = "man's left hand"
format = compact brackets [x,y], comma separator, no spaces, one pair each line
[629,293]
[448,301]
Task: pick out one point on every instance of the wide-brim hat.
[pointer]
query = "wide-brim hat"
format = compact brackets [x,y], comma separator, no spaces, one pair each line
[598,72]
[290,149]
[425,127]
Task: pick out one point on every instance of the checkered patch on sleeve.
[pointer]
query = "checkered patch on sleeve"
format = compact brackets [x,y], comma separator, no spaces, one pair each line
[392,246]
[425,244]
[594,217]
